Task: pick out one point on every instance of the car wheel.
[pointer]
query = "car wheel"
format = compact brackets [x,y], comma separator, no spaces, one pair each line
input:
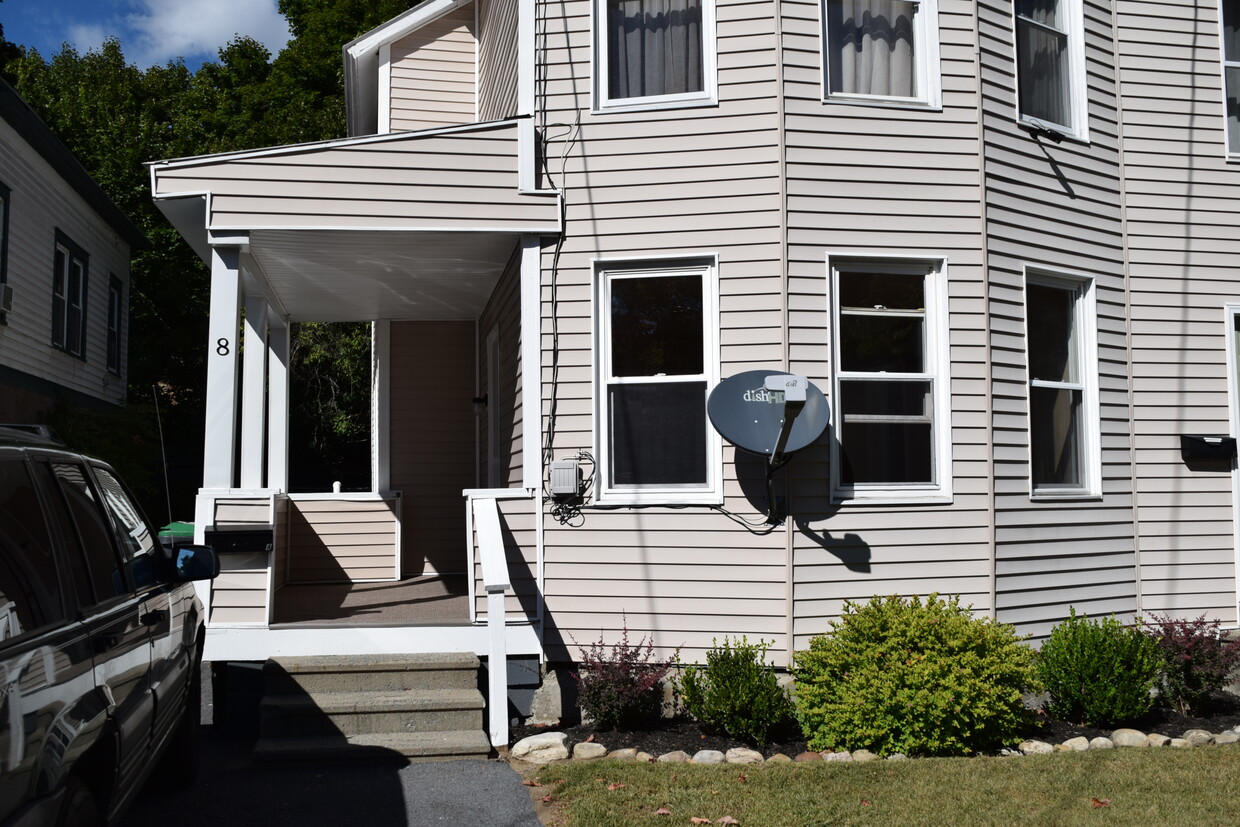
[79,808]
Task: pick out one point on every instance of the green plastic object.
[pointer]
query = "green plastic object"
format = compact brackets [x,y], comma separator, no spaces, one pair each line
[176,532]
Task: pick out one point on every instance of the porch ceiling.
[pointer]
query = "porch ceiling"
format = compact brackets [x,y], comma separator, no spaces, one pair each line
[358,275]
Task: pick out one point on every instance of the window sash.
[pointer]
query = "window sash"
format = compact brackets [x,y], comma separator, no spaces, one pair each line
[655,62]
[1231,73]
[115,304]
[69,299]
[872,59]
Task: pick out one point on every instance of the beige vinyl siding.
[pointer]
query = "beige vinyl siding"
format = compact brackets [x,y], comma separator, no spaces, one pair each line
[41,202]
[701,181]
[502,314]
[239,594]
[874,181]
[432,440]
[498,59]
[342,540]
[458,180]
[433,73]
[1184,257]
[280,543]
[517,520]
[1055,208]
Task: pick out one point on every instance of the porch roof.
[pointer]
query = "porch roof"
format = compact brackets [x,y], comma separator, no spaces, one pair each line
[415,225]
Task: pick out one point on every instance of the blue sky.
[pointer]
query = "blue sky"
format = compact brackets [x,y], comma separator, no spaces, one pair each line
[150,31]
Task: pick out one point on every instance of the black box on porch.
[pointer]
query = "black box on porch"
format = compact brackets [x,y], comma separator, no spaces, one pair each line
[1207,447]
[250,539]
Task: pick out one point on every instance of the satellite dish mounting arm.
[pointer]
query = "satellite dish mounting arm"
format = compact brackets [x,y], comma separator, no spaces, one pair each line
[793,390]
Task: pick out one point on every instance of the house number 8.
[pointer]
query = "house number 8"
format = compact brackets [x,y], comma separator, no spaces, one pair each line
[221,347]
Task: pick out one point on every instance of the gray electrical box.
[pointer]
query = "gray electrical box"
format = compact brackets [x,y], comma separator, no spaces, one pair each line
[565,478]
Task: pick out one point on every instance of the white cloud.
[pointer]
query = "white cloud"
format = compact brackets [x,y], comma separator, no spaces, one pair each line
[85,37]
[167,29]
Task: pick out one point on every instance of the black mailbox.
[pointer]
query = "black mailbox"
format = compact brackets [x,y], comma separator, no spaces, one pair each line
[250,539]
[1207,447]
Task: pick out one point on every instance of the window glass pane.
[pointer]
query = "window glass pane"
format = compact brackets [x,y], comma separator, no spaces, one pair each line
[655,47]
[1231,30]
[872,398]
[870,48]
[873,343]
[886,452]
[892,291]
[1046,12]
[656,326]
[29,585]
[1042,58]
[1233,109]
[1055,436]
[94,536]
[658,434]
[134,537]
[1052,338]
[73,324]
[58,299]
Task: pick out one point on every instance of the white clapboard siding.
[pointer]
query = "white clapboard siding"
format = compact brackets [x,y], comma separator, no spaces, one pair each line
[502,316]
[516,517]
[1184,251]
[342,540]
[456,180]
[497,57]
[240,594]
[433,73]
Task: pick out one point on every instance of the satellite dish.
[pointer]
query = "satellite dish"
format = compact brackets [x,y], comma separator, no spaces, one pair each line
[749,410]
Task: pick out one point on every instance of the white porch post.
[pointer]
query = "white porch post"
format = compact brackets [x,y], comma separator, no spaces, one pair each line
[221,403]
[277,401]
[253,391]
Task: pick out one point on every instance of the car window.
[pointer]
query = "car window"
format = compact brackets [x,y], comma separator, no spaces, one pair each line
[93,537]
[132,534]
[30,595]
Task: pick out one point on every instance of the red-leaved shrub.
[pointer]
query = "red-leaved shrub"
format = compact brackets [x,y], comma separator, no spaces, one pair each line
[619,685]
[1195,660]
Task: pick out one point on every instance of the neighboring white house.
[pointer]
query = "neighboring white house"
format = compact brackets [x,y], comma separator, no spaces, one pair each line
[64,275]
[1001,237]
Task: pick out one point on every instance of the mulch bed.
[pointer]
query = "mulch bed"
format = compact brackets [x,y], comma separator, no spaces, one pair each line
[1221,714]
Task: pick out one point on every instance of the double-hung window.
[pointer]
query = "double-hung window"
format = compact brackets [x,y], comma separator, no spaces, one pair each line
[69,297]
[657,361]
[881,51]
[891,407]
[654,53]
[116,317]
[1050,65]
[1063,386]
[4,244]
[1231,73]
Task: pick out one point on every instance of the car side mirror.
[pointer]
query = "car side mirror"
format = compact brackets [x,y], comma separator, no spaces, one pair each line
[195,562]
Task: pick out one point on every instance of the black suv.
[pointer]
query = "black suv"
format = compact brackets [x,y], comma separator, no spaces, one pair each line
[101,638]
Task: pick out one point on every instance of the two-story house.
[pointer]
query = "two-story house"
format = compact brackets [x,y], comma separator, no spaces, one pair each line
[64,275]
[998,237]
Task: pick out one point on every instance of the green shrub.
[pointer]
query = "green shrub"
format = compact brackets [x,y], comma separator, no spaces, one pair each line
[619,686]
[921,678]
[1195,660]
[1098,672]
[737,693]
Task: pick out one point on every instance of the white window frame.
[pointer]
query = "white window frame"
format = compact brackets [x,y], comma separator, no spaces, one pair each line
[707,267]
[937,372]
[928,78]
[1085,324]
[1074,15]
[1234,64]
[709,96]
[72,254]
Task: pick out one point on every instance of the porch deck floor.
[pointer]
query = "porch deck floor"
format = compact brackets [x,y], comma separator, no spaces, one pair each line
[430,600]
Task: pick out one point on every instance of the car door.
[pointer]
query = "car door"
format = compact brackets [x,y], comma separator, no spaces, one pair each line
[116,617]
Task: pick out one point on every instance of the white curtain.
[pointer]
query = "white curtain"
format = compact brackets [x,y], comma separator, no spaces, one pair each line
[655,47]
[1042,52]
[871,47]
[1231,54]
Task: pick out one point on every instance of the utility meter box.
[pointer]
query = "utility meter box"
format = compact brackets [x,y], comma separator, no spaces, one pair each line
[565,478]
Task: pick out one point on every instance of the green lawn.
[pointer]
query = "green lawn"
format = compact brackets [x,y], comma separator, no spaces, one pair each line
[1128,786]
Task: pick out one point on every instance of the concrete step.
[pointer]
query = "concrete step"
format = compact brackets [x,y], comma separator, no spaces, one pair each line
[350,673]
[411,746]
[355,713]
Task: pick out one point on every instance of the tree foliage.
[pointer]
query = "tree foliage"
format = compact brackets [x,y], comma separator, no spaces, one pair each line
[115,117]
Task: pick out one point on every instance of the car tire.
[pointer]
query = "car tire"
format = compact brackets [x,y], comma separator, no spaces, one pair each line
[79,808]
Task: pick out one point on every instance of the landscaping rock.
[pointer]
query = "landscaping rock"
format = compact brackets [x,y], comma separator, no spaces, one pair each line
[1198,737]
[1101,743]
[863,755]
[1035,748]
[1226,738]
[588,751]
[808,756]
[644,758]
[1010,753]
[1130,738]
[1179,743]
[541,749]
[743,755]
[779,758]
[677,757]
[708,756]
[897,756]
[1078,744]
[627,754]
[843,755]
